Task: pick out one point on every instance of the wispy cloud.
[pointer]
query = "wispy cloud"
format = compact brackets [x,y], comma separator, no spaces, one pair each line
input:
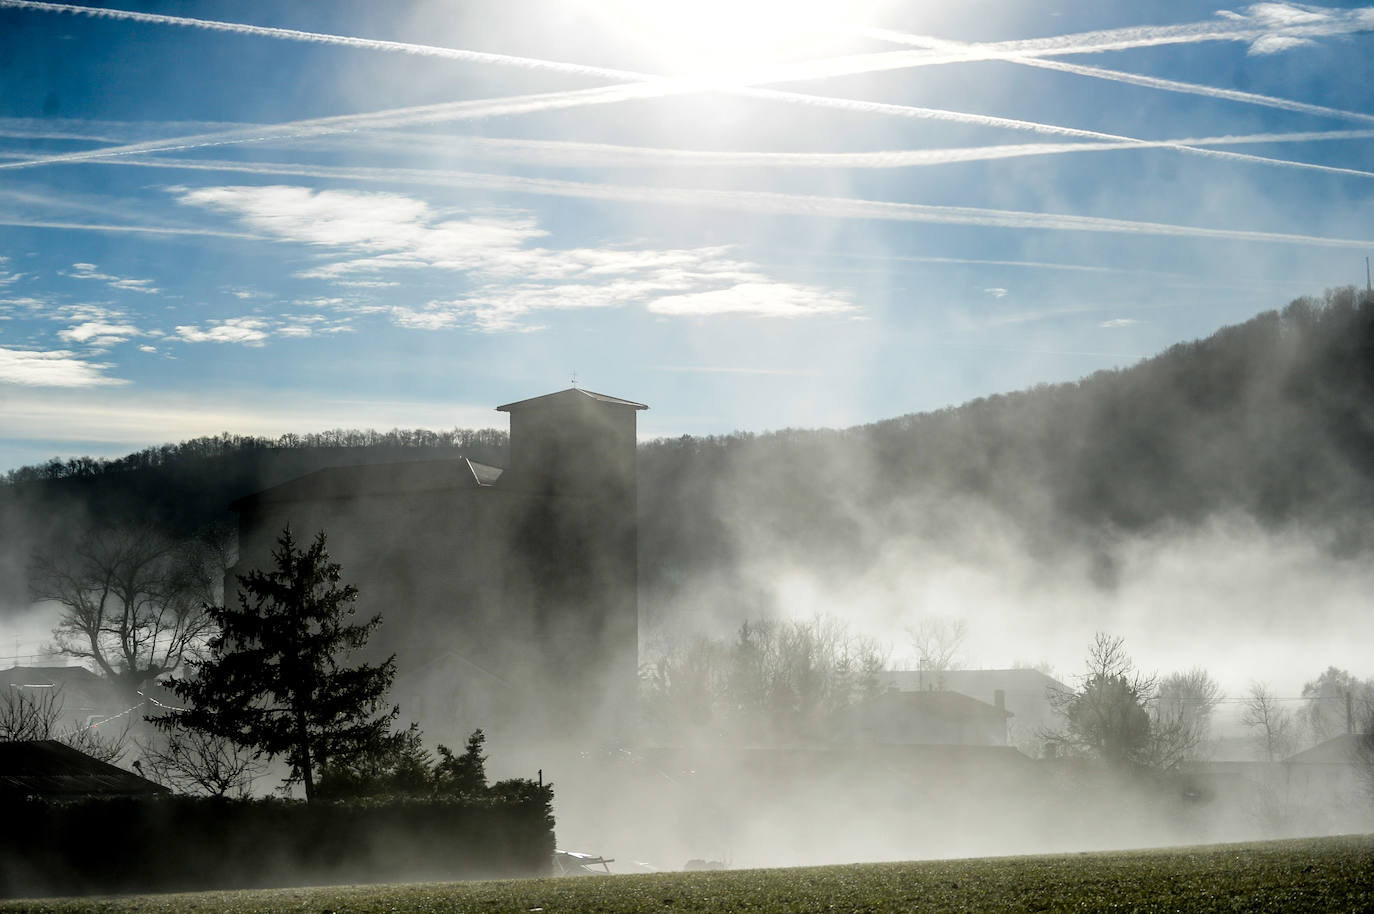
[99,333]
[799,204]
[121,283]
[52,368]
[511,276]
[249,331]
[1119,322]
[754,298]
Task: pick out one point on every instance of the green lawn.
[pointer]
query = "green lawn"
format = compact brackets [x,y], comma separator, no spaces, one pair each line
[1325,875]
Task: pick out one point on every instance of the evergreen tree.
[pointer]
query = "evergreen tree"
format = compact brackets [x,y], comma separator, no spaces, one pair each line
[463,775]
[274,681]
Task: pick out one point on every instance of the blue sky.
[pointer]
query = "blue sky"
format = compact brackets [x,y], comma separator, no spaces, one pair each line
[294,216]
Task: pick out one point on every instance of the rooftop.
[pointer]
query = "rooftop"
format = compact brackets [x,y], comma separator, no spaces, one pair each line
[48,768]
[571,395]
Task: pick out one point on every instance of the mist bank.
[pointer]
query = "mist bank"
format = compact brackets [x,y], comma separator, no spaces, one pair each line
[1210,498]
[1215,487]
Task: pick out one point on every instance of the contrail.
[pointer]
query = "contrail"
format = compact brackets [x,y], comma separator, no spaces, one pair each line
[773,203]
[371,44]
[1238,29]
[136,229]
[1152,82]
[1090,42]
[392,117]
[651,86]
[604,155]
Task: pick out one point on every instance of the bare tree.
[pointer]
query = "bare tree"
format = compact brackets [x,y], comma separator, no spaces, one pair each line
[192,761]
[782,682]
[937,641]
[1273,725]
[1181,717]
[1335,701]
[30,715]
[133,600]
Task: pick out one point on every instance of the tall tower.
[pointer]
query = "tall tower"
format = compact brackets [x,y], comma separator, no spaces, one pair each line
[575,576]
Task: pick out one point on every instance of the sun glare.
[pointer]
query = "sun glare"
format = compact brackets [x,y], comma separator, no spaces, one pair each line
[713,39]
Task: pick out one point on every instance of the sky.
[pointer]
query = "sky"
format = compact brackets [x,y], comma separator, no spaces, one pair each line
[286,217]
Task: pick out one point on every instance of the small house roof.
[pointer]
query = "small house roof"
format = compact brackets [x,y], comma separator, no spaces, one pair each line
[571,395]
[47,768]
[405,477]
[1017,682]
[1340,750]
[949,705]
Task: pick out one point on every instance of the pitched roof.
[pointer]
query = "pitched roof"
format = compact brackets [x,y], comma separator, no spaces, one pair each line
[1339,750]
[572,394]
[48,676]
[949,705]
[1029,683]
[405,477]
[47,768]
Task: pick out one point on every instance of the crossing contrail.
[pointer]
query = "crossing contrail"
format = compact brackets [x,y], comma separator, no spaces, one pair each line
[442,112]
[604,155]
[649,86]
[1152,82]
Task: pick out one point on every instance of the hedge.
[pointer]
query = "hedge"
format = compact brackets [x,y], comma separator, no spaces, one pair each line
[179,843]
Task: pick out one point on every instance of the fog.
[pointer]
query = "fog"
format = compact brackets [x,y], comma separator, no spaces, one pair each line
[869,224]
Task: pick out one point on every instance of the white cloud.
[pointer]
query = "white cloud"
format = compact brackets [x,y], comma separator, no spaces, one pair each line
[996,292]
[1274,44]
[99,333]
[1119,322]
[753,298]
[250,331]
[511,278]
[90,271]
[52,368]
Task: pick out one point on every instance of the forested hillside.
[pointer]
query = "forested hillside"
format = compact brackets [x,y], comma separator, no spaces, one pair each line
[1272,419]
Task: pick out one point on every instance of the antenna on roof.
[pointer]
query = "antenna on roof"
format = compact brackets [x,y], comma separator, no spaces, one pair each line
[574,377]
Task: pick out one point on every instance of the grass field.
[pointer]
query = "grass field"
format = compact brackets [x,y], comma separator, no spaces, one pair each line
[1325,875]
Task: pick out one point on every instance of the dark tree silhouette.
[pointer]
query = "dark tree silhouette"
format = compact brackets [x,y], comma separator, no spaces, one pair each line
[274,680]
[463,775]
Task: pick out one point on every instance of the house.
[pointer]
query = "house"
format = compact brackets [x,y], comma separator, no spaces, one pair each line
[79,697]
[53,770]
[1334,777]
[509,596]
[929,718]
[1023,693]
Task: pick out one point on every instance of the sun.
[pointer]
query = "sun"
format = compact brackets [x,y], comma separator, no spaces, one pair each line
[717,39]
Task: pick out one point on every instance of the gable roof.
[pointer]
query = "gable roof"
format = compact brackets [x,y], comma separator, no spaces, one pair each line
[948,705]
[571,395]
[405,477]
[1022,682]
[1339,750]
[47,768]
